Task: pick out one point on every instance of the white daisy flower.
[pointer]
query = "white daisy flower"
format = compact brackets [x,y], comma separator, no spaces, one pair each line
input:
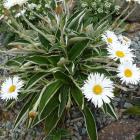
[124,40]
[98,89]
[129,73]
[10,88]
[21,2]
[120,52]
[109,37]
[10,3]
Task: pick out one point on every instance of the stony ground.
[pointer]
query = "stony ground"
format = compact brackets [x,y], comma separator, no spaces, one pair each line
[109,129]
[125,129]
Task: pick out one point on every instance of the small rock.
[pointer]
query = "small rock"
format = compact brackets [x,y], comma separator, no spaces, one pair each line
[115,104]
[137,38]
[74,138]
[128,105]
[79,124]
[76,114]
[125,116]
[116,99]
[84,131]
[77,135]
[9,125]
[75,127]
[71,123]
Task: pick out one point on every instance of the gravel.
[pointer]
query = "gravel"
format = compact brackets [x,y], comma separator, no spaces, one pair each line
[136,46]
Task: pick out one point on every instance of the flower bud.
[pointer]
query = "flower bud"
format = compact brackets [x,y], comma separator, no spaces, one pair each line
[32,114]
[59,10]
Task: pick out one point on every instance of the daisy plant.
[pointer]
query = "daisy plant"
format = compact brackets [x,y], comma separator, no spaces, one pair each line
[62,62]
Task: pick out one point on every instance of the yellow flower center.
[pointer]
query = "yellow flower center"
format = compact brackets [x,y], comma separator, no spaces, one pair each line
[12,88]
[120,54]
[128,73]
[109,40]
[97,89]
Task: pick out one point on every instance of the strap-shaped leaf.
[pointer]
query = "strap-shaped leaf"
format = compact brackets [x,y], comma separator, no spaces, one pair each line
[10,104]
[34,79]
[63,97]
[49,92]
[52,104]
[62,77]
[15,61]
[90,123]
[75,20]
[24,112]
[89,118]
[51,121]
[35,104]
[111,111]
[77,49]
[53,59]
[78,96]
[50,107]
[104,108]
[36,59]
[45,42]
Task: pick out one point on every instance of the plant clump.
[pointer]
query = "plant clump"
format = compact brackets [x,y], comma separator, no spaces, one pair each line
[64,58]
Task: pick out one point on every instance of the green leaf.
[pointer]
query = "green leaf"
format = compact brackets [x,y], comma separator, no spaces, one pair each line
[13,63]
[9,37]
[51,121]
[52,104]
[75,20]
[49,92]
[45,42]
[90,123]
[77,49]
[53,59]
[34,105]
[135,110]
[57,34]
[10,104]
[111,111]
[34,79]
[50,107]
[36,59]
[137,137]
[63,97]
[24,112]
[62,76]
[104,108]
[16,61]
[89,119]
[57,136]
[77,96]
